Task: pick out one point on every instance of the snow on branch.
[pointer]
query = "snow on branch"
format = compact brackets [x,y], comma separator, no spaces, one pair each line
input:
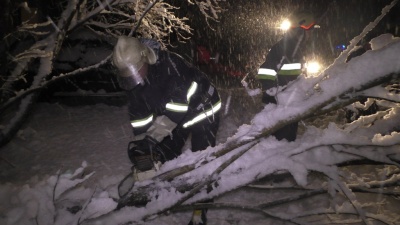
[209,8]
[380,92]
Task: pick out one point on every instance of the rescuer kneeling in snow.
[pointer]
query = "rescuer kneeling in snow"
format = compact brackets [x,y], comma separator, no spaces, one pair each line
[169,99]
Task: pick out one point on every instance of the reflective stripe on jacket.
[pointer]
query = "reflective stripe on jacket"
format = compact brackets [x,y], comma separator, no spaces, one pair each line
[283,62]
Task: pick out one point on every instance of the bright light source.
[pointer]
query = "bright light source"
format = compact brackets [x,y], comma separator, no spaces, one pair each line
[313,67]
[285,25]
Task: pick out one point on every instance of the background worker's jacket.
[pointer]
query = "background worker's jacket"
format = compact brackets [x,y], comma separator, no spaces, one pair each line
[174,89]
[283,63]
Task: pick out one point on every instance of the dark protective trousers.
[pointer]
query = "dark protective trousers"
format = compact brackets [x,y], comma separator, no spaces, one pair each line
[203,135]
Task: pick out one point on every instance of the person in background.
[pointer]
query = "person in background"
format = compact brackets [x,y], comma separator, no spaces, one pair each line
[284,63]
[169,100]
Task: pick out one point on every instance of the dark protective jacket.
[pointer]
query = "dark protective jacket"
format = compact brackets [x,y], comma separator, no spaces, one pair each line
[174,89]
[284,61]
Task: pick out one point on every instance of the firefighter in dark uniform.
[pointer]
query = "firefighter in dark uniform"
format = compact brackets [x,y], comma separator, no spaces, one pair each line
[284,63]
[169,99]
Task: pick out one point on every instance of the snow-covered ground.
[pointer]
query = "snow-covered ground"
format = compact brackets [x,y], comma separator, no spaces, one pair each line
[62,137]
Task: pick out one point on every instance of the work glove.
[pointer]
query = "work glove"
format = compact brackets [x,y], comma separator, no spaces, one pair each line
[145,153]
[161,128]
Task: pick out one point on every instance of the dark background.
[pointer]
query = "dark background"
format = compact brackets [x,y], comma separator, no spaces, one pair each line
[244,32]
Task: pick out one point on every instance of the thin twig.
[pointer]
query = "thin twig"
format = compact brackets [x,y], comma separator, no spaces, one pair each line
[7,161]
[86,205]
[149,6]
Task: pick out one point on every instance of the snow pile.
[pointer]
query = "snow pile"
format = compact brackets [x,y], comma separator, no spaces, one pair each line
[44,202]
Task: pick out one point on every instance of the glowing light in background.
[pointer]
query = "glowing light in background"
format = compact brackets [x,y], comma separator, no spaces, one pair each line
[285,25]
[313,67]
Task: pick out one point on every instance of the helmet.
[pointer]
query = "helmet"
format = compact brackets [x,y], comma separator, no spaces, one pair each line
[129,56]
[302,19]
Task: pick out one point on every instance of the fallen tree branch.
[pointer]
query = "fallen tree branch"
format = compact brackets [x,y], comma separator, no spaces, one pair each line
[140,196]
[137,197]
